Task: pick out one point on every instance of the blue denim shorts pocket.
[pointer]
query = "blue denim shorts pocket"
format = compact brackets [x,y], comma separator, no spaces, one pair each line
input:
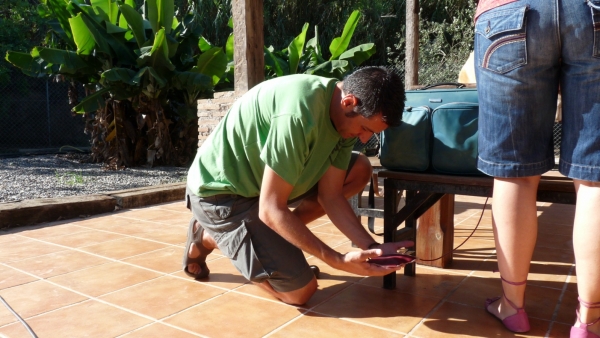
[502,39]
[595,7]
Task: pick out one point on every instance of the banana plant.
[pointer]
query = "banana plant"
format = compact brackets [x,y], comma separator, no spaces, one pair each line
[306,57]
[143,71]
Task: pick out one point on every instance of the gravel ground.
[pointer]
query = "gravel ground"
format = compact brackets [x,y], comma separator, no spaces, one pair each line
[50,176]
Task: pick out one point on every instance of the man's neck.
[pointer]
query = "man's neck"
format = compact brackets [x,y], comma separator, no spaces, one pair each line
[336,111]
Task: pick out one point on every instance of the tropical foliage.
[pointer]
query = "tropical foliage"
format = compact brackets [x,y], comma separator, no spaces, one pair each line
[306,57]
[21,28]
[446,37]
[144,63]
[143,71]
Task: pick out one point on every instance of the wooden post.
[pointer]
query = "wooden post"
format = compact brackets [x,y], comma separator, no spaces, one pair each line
[411,75]
[248,52]
[435,233]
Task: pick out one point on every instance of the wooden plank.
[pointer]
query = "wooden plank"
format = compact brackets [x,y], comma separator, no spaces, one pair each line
[411,75]
[248,44]
[435,234]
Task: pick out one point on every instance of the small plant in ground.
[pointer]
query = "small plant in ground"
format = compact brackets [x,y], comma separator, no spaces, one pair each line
[70,178]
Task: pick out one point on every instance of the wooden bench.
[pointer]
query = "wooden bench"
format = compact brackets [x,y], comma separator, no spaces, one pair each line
[423,191]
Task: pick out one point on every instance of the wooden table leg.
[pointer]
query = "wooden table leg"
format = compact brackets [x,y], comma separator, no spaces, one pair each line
[390,205]
[435,233]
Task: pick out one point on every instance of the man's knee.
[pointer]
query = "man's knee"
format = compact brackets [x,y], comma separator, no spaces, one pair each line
[361,171]
[300,296]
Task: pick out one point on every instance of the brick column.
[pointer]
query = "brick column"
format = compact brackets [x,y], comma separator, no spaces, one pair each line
[211,111]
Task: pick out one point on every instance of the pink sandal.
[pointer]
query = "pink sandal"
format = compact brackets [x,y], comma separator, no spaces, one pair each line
[581,331]
[519,322]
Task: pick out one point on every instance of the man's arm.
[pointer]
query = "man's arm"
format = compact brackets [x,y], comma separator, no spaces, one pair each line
[335,203]
[274,212]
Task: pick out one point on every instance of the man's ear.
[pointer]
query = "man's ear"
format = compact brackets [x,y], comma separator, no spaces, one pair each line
[349,101]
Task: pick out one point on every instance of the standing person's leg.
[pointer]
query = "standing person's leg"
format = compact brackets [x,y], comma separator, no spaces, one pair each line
[580,150]
[586,243]
[517,55]
[514,213]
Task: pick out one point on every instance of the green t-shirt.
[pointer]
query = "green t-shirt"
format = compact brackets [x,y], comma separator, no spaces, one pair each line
[283,123]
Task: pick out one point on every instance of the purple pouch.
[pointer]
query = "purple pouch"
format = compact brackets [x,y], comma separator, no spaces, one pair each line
[391,261]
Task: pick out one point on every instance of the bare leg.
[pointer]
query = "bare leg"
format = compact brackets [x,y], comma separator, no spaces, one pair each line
[309,210]
[515,232]
[358,177]
[207,241]
[586,242]
[296,297]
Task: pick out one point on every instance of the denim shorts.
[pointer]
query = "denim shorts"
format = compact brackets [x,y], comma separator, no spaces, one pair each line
[524,52]
[256,251]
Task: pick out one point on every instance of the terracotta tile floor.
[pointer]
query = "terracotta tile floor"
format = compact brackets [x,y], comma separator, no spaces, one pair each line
[119,275]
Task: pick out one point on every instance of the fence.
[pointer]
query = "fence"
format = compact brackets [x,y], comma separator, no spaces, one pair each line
[35,114]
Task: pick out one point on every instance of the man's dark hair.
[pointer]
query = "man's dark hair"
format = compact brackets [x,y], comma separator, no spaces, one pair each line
[378,90]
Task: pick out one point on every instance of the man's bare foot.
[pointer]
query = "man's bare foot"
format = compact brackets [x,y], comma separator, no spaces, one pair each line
[201,246]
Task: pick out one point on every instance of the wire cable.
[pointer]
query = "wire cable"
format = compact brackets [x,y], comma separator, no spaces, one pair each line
[19,318]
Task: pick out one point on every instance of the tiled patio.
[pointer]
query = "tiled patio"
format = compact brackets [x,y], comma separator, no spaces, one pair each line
[119,275]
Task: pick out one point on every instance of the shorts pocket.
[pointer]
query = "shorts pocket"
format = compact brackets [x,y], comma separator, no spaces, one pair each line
[595,7]
[230,242]
[501,39]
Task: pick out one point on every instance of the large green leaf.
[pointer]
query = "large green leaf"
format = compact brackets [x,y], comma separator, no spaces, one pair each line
[59,9]
[212,63]
[151,74]
[98,34]
[160,14]
[192,84]
[203,44]
[109,7]
[275,62]
[157,56]
[82,36]
[114,29]
[359,54]
[103,39]
[314,43]
[333,69]
[135,21]
[296,48]
[91,102]
[69,59]
[172,44]
[340,44]
[121,82]
[123,75]
[122,19]
[192,81]
[229,47]
[26,62]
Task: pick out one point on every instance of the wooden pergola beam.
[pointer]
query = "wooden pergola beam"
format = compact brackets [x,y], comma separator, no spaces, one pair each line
[248,44]
[411,62]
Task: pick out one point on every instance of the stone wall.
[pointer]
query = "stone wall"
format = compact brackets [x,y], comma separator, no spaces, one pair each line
[211,111]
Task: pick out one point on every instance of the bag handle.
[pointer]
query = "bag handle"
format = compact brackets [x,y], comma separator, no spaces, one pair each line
[457,84]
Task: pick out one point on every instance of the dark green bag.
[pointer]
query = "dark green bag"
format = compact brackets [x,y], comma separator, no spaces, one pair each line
[438,133]
[454,128]
[407,147]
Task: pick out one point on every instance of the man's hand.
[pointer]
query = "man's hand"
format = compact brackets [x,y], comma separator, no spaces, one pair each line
[357,261]
[393,247]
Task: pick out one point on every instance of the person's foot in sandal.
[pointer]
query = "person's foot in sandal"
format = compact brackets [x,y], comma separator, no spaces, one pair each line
[198,246]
